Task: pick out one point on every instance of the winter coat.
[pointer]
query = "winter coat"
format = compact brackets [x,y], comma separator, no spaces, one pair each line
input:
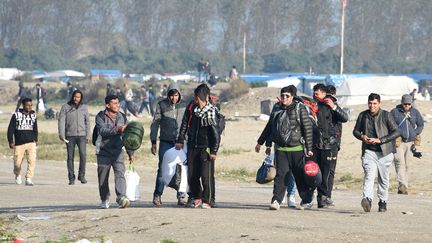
[409,124]
[74,120]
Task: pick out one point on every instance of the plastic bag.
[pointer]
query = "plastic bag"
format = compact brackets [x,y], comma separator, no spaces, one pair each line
[174,169]
[132,184]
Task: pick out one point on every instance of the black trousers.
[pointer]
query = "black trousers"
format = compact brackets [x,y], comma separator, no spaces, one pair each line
[326,159]
[81,142]
[200,174]
[287,161]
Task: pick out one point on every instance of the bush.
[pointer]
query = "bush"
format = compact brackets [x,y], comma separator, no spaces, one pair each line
[237,88]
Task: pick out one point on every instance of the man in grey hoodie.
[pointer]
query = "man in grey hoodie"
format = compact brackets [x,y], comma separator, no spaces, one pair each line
[110,125]
[167,119]
[74,129]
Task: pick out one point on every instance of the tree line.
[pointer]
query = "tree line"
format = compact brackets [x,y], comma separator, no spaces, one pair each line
[386,36]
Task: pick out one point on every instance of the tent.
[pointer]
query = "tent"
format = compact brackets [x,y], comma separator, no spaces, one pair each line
[65,73]
[9,73]
[355,91]
[280,83]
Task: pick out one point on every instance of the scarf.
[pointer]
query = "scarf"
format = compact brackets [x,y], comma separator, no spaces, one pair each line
[207,114]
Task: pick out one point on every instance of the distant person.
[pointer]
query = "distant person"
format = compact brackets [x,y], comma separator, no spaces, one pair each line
[111,124]
[22,94]
[233,74]
[200,69]
[22,136]
[74,129]
[152,98]
[326,146]
[129,97]
[207,70]
[110,90]
[145,103]
[410,124]
[377,130]
[200,127]
[121,97]
[167,120]
[40,98]
[212,80]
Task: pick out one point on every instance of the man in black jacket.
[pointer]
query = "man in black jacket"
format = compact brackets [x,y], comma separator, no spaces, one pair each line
[377,130]
[200,127]
[327,144]
[291,156]
[23,127]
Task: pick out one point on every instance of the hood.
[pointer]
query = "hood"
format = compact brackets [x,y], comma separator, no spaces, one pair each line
[173,86]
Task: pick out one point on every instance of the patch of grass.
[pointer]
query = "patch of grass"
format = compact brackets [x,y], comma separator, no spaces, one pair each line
[169,241]
[346,177]
[241,174]
[5,233]
[231,151]
[64,239]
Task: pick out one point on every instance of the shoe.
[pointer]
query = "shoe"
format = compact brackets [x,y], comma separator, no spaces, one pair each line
[18,180]
[284,200]
[291,201]
[124,202]
[29,182]
[329,202]
[213,203]
[82,179]
[366,203]
[274,205]
[71,182]
[403,189]
[304,206]
[182,201]
[157,201]
[206,206]
[322,202]
[196,203]
[105,204]
[382,206]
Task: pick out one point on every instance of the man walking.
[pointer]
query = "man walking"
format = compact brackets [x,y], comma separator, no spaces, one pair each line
[167,119]
[327,144]
[110,125]
[410,124]
[200,125]
[377,130]
[74,129]
[22,136]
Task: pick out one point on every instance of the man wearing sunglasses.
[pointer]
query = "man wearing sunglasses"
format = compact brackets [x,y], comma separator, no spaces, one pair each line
[410,124]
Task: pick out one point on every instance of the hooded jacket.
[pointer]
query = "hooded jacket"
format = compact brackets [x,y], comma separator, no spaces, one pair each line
[167,118]
[22,126]
[409,124]
[74,120]
[386,130]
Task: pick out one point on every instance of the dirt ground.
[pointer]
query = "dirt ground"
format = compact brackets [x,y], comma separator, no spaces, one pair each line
[243,214]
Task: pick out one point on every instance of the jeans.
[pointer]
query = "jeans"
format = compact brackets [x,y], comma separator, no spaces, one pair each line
[81,141]
[104,167]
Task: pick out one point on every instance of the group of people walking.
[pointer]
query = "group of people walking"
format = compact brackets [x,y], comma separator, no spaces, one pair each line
[301,130]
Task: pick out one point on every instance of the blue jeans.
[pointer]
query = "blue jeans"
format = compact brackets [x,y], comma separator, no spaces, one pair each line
[160,185]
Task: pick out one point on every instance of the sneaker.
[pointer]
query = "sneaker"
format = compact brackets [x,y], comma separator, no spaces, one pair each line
[205,206]
[274,205]
[304,206]
[105,204]
[18,180]
[71,182]
[82,179]
[124,202]
[189,202]
[329,202]
[322,203]
[182,201]
[284,200]
[213,203]
[291,201]
[382,206]
[157,200]
[403,189]
[196,203]
[366,203]
[29,182]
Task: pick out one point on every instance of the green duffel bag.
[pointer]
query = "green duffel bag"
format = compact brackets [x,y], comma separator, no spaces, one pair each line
[133,136]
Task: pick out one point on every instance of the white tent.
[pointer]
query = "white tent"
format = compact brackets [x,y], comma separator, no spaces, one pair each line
[355,91]
[280,83]
[9,73]
[65,73]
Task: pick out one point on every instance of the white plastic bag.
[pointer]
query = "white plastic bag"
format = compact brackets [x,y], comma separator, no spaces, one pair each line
[132,184]
[41,105]
[172,161]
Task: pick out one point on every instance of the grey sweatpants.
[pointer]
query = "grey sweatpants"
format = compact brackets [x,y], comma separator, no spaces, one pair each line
[104,167]
[372,162]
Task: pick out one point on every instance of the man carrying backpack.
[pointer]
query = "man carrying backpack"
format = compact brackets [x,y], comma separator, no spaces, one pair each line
[327,144]
[200,125]
[167,119]
[291,129]
[74,129]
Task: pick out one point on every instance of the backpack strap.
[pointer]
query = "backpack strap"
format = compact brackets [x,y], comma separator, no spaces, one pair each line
[190,114]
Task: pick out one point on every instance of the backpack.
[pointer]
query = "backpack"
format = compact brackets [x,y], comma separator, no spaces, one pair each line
[281,132]
[95,133]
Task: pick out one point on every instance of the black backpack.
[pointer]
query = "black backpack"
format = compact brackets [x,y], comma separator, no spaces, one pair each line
[281,132]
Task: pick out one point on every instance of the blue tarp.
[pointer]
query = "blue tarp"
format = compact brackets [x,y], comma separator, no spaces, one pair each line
[105,72]
[419,77]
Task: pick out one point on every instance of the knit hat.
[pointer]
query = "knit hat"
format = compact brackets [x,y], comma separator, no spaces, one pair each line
[407,99]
